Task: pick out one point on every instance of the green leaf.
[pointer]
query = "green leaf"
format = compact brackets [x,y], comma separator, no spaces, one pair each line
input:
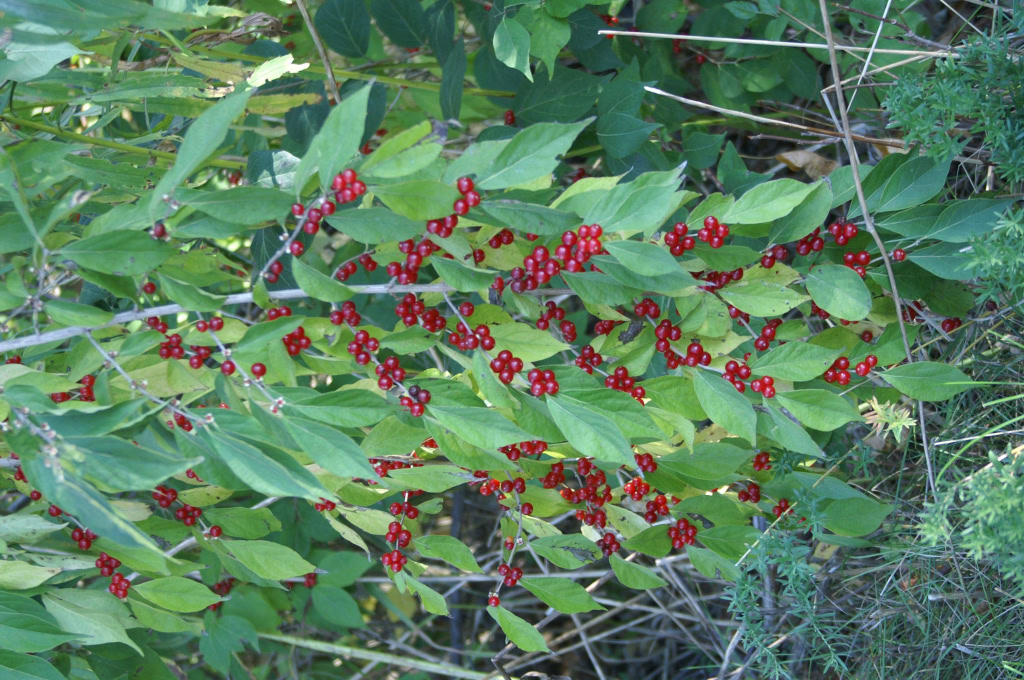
[725,406]
[243,522]
[928,380]
[418,199]
[775,425]
[548,35]
[590,433]
[819,409]
[337,141]
[963,220]
[17,666]
[432,600]
[640,205]
[946,260]
[432,478]
[18,575]
[481,427]
[270,560]
[855,516]
[803,219]
[462,277]
[767,202]
[344,408]
[452,80]
[530,217]
[318,285]
[531,154]
[202,140]
[26,627]
[566,96]
[402,21]
[570,551]
[526,342]
[839,291]
[912,183]
[653,541]
[375,225]
[345,26]
[337,606]
[729,541]
[712,564]
[91,614]
[795,361]
[118,465]
[642,257]
[177,594]
[281,476]
[74,314]
[522,633]
[761,298]
[188,296]
[563,594]
[701,149]
[131,253]
[634,575]
[26,528]
[512,46]
[493,389]
[332,449]
[241,205]
[622,134]
[450,549]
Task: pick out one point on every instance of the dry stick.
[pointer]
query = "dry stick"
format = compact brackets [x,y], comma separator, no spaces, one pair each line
[869,224]
[235,299]
[321,50]
[780,43]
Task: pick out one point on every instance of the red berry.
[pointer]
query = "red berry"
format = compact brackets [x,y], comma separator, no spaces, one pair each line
[296,248]
[259,370]
[228,367]
[899,255]
[493,601]
[149,288]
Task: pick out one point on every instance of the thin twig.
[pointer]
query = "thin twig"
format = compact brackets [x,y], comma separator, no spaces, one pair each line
[321,50]
[779,43]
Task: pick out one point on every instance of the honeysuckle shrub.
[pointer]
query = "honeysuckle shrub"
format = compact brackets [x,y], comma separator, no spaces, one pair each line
[256,337]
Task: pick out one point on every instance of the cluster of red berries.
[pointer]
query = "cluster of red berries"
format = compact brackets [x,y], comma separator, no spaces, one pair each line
[171,348]
[382,467]
[347,186]
[165,496]
[222,588]
[765,385]
[622,381]
[775,254]
[838,372]
[767,335]
[911,310]
[818,311]
[107,564]
[470,198]
[511,574]
[506,366]
[736,313]
[502,238]
[325,505]
[645,462]
[396,534]
[554,477]
[552,311]
[412,312]
[656,508]
[404,508]
[695,355]
[606,326]
[542,382]
[609,544]
[510,117]
[415,254]
[188,514]
[736,373]
[762,461]
[214,324]
[529,448]
[360,347]
[637,488]
[349,268]
[468,340]
[677,240]
[591,492]
[394,560]
[951,324]
[83,537]
[60,397]
[597,518]
[13,360]
[812,243]
[666,333]
[85,392]
[647,307]
[857,261]
[782,508]
[119,585]
[716,279]
[296,341]
[713,232]
[156,324]
[843,231]
[864,367]
[181,421]
[416,401]
[589,359]
[347,314]
[683,533]
[751,494]
[389,372]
